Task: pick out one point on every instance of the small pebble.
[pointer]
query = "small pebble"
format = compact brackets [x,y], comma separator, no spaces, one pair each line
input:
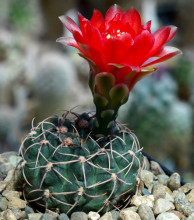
[63,216]
[147,177]
[156,168]
[10,194]
[190,197]
[167,216]
[162,178]
[2,185]
[106,216]
[187,187]
[132,208]
[8,215]
[178,195]
[17,212]
[174,181]
[47,216]
[115,215]
[3,203]
[177,213]
[183,206]
[139,200]
[93,215]
[5,168]
[34,216]
[145,192]
[191,217]
[146,163]
[129,215]
[28,210]
[16,203]
[145,213]
[162,205]
[79,216]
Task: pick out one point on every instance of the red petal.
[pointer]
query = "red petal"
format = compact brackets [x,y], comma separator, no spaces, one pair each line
[115,49]
[147,26]
[133,17]
[82,21]
[112,11]
[70,24]
[141,47]
[92,35]
[173,30]
[97,19]
[164,54]
[79,38]
[161,36]
[95,56]
[69,41]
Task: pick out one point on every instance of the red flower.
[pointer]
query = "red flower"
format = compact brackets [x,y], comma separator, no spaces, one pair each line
[120,44]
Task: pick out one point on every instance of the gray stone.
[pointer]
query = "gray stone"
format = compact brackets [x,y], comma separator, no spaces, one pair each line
[115,215]
[145,213]
[174,181]
[5,168]
[156,168]
[34,216]
[8,154]
[162,205]
[132,208]
[18,213]
[147,177]
[93,215]
[161,191]
[178,195]
[8,215]
[10,194]
[128,215]
[167,216]
[146,163]
[163,178]
[158,190]
[139,200]
[54,214]
[79,216]
[47,216]
[191,217]
[183,206]
[178,214]
[17,203]
[63,216]
[145,192]
[14,160]
[2,185]
[106,216]
[28,210]
[190,197]
[3,203]
[187,187]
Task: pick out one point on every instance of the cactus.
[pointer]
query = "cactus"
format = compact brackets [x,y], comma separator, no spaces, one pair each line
[65,166]
[90,162]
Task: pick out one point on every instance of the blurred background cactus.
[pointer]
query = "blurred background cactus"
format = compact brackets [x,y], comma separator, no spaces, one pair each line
[38,78]
[162,122]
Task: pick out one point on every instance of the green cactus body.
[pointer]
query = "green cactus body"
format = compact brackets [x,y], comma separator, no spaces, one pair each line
[67,168]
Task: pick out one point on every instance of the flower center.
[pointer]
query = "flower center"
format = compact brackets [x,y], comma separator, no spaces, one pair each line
[114,34]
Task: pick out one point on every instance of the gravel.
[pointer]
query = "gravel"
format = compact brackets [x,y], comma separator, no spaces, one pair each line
[160,197]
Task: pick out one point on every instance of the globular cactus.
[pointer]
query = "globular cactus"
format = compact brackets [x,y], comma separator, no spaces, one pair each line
[66,168]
